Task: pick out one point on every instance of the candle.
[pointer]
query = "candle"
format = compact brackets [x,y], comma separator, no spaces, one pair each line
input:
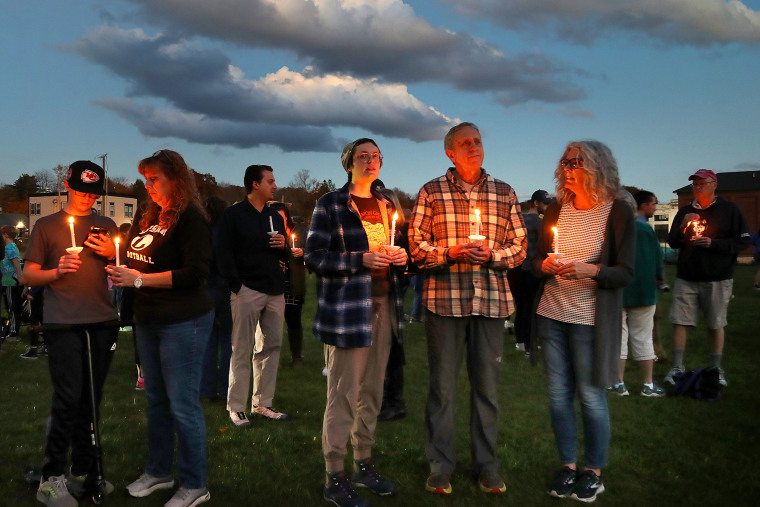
[117,241]
[393,227]
[292,241]
[556,240]
[477,222]
[271,225]
[71,227]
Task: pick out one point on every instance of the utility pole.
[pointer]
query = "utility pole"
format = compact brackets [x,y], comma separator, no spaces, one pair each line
[105,183]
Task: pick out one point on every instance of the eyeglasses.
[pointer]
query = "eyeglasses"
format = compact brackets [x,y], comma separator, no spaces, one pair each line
[85,195]
[696,184]
[367,157]
[571,163]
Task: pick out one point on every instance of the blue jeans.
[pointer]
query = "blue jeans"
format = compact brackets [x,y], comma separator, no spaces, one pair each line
[171,358]
[417,283]
[568,355]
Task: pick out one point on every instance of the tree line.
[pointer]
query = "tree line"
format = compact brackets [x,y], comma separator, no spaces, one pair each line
[301,192]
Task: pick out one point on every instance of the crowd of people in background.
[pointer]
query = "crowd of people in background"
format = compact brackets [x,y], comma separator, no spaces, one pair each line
[209,288]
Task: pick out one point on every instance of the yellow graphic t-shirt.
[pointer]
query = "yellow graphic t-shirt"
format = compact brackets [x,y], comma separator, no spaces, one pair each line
[377,236]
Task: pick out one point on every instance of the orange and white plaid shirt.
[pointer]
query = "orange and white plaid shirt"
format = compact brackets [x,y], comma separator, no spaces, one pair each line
[444,217]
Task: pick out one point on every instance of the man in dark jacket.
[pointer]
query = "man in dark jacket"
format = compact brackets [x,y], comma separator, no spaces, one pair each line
[709,232]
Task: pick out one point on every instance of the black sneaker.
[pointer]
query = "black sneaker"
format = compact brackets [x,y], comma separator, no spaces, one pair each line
[29,353]
[563,483]
[338,491]
[365,476]
[587,487]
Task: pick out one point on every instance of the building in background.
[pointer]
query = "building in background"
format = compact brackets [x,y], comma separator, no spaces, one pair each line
[118,207]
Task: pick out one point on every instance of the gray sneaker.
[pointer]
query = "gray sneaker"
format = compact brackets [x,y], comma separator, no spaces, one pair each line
[652,392]
[722,378]
[53,492]
[619,389]
[147,484]
[189,497]
[674,372]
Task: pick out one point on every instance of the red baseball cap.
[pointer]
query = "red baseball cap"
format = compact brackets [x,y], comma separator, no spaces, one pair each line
[703,174]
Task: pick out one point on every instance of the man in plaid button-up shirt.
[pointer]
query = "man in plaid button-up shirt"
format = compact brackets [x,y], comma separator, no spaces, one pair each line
[466,298]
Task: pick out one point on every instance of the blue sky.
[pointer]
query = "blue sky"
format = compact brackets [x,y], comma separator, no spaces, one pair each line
[671,86]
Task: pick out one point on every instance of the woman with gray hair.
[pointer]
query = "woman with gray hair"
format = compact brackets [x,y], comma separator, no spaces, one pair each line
[585,257]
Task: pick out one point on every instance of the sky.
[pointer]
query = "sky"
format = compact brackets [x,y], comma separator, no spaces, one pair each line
[670,86]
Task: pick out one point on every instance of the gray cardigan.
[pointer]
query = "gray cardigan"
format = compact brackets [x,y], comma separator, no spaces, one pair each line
[616,271]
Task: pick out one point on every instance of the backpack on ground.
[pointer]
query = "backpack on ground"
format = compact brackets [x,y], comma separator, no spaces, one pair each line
[702,384]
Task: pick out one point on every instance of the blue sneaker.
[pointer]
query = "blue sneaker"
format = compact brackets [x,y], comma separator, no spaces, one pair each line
[587,487]
[563,483]
[365,476]
[618,389]
[339,492]
[652,392]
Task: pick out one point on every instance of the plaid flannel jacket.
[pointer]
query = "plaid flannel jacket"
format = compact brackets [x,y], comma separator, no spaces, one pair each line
[441,219]
[334,250]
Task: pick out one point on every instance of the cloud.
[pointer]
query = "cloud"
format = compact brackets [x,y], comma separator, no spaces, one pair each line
[381,39]
[197,128]
[201,81]
[689,22]
[575,112]
[751,166]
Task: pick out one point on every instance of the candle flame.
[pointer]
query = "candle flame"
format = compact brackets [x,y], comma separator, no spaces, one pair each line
[293,236]
[395,216]
[477,212]
[71,220]
[117,240]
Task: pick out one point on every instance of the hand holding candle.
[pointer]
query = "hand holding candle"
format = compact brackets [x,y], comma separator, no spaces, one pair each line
[393,228]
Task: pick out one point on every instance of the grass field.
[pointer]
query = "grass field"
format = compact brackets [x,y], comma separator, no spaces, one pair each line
[665,452]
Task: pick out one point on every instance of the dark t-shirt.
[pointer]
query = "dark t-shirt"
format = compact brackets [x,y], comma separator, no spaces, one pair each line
[377,236]
[76,298]
[185,250]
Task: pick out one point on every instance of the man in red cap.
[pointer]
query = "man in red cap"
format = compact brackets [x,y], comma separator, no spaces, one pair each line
[709,234]
[68,258]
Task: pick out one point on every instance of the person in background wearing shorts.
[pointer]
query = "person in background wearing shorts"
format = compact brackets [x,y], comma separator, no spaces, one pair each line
[709,232]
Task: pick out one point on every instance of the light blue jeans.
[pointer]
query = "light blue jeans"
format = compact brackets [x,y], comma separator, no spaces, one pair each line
[568,356]
[171,357]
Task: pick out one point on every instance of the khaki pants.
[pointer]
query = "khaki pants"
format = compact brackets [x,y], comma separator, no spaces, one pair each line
[254,348]
[355,391]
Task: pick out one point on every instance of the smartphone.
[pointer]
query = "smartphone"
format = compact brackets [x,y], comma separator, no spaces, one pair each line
[98,231]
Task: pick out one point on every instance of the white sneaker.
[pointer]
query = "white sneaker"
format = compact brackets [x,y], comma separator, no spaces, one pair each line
[53,492]
[239,419]
[270,413]
[147,484]
[188,497]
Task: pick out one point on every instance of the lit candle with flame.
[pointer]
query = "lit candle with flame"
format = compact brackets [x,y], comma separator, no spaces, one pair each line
[292,241]
[393,227]
[477,222]
[71,228]
[117,241]
[556,240]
